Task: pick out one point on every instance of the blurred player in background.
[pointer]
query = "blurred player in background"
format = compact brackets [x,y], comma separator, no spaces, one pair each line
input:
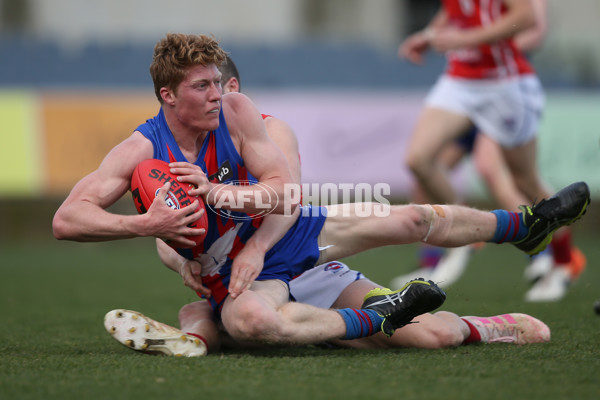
[489,84]
[330,285]
[446,266]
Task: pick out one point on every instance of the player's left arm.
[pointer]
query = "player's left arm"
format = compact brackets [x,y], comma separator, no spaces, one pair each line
[190,270]
[519,17]
[531,39]
[249,261]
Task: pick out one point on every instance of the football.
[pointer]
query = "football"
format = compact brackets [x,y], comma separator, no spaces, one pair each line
[147,179]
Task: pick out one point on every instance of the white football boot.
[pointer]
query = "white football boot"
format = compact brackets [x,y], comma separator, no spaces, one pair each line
[539,266]
[555,283]
[452,266]
[551,287]
[138,332]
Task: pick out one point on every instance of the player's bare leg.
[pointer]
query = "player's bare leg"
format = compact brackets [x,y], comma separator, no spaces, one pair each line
[569,262]
[522,161]
[491,165]
[263,314]
[434,129]
[198,319]
[446,329]
[348,230]
[440,225]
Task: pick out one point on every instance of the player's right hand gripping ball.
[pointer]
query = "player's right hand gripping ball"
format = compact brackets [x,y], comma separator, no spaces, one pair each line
[149,176]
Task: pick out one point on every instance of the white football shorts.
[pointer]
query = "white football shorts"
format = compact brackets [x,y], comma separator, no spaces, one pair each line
[509,111]
[322,285]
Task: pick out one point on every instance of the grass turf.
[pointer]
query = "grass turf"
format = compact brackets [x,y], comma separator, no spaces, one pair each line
[53,296]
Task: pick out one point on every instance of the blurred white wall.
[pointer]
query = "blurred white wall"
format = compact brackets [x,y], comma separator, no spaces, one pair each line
[74,22]
[573,38]
[78,21]
[574,32]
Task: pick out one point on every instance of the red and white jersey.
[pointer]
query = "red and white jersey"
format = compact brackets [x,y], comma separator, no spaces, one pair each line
[489,61]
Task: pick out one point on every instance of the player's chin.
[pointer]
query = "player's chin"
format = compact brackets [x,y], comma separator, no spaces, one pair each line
[212,120]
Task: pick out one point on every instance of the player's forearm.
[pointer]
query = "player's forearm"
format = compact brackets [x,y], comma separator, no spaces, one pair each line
[272,230]
[529,40]
[506,27]
[88,223]
[273,195]
[439,21]
[532,38]
[169,257]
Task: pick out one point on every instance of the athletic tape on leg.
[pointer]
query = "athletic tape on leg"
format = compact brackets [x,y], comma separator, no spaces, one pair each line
[440,223]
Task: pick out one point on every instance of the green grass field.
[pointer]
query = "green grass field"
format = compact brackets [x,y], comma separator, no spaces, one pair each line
[53,296]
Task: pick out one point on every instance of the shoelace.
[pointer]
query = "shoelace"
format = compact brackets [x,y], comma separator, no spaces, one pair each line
[507,334]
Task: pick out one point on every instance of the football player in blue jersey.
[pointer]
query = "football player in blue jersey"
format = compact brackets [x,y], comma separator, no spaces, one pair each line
[198,130]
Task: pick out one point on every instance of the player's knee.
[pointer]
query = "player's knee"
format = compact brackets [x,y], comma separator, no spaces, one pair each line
[414,219]
[487,172]
[193,312]
[253,322]
[418,164]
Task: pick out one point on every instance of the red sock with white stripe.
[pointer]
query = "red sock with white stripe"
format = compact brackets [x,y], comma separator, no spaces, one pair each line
[474,336]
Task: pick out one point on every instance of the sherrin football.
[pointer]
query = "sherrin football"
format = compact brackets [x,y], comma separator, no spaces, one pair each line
[149,176]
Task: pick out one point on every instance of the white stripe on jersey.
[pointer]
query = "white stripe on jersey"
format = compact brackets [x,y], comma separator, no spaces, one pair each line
[486,20]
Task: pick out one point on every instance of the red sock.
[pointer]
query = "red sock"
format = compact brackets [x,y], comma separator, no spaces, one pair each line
[474,336]
[561,247]
[199,337]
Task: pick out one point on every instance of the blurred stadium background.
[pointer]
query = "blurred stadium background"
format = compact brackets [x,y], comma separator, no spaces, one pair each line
[74,82]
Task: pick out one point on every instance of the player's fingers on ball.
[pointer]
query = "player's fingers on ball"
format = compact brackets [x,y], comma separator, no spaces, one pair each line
[162,192]
[179,164]
[196,232]
[184,242]
[199,190]
[191,208]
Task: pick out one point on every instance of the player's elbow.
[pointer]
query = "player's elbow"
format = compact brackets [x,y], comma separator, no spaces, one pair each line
[61,229]
[288,199]
[526,20]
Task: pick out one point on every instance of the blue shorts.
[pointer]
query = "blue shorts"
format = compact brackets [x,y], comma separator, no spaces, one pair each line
[296,252]
[467,141]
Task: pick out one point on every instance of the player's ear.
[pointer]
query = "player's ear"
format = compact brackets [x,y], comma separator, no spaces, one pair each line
[232,85]
[167,95]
